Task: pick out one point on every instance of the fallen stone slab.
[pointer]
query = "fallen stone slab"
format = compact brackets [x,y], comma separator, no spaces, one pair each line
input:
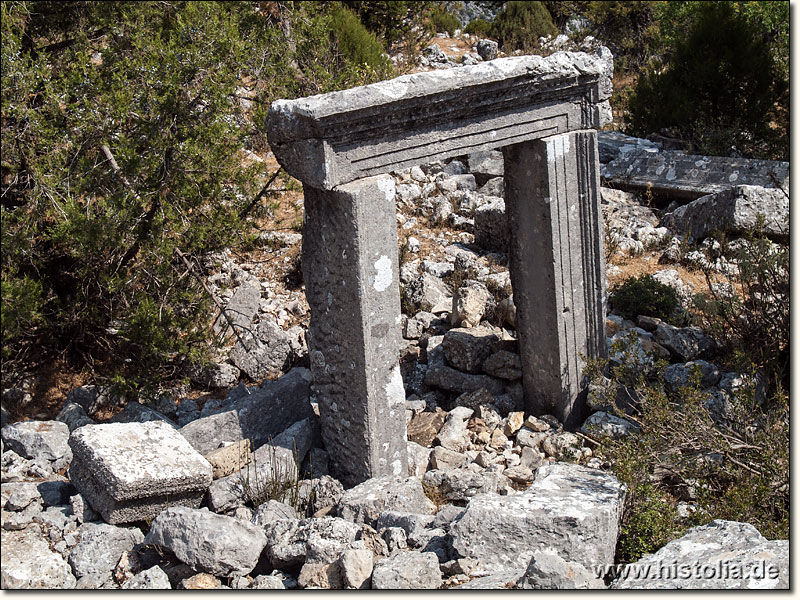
[37,440]
[133,471]
[688,176]
[241,309]
[410,570]
[29,563]
[720,555]
[571,509]
[366,502]
[734,211]
[466,348]
[208,542]
[271,409]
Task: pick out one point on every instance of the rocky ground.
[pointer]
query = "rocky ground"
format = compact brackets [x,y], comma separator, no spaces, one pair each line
[231,488]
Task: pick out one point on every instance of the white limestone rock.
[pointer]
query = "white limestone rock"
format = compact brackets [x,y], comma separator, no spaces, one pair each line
[37,440]
[569,508]
[720,555]
[365,502]
[208,542]
[29,563]
[100,548]
[132,471]
[548,571]
[410,570]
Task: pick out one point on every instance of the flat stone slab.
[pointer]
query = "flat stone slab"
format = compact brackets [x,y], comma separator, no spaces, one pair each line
[331,139]
[720,555]
[133,471]
[570,509]
[689,176]
[29,563]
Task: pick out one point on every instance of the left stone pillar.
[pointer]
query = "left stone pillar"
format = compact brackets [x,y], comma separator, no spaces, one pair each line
[350,269]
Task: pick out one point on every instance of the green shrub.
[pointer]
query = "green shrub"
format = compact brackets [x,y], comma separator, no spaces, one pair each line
[735,469]
[357,43]
[750,314]
[479,27]
[122,134]
[520,25]
[644,295]
[444,22]
[721,87]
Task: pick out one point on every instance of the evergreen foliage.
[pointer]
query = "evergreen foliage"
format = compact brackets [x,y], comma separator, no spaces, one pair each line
[644,295]
[724,86]
[122,133]
[520,25]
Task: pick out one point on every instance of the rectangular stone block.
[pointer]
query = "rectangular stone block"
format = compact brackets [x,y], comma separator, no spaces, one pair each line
[352,286]
[557,266]
[334,138]
[679,175]
[132,471]
[570,509]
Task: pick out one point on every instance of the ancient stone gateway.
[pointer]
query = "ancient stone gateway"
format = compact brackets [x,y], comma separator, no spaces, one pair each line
[542,112]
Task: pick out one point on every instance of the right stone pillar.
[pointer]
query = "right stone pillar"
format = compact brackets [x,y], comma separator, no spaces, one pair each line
[557,264]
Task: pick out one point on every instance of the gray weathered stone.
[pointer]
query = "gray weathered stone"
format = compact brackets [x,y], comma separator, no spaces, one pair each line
[426,292]
[153,578]
[682,175]
[487,49]
[321,540]
[264,352]
[503,364]
[418,459]
[134,412]
[269,410]
[453,434]
[37,440]
[209,433]
[352,289]
[410,570]
[100,548]
[498,581]
[365,502]
[734,211]
[443,459]
[559,286]
[679,375]
[132,471]
[74,415]
[241,309]
[459,485]
[206,541]
[355,566]
[228,459]
[604,424]
[571,509]
[720,555]
[548,571]
[335,138]
[453,380]
[272,510]
[611,144]
[491,225]
[685,343]
[29,563]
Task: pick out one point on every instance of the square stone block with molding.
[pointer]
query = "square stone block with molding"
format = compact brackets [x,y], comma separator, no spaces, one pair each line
[132,471]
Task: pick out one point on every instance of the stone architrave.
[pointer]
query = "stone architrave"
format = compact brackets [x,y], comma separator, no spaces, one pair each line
[339,144]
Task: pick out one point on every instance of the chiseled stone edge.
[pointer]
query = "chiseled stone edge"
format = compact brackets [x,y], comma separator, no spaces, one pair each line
[121,491]
[132,509]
